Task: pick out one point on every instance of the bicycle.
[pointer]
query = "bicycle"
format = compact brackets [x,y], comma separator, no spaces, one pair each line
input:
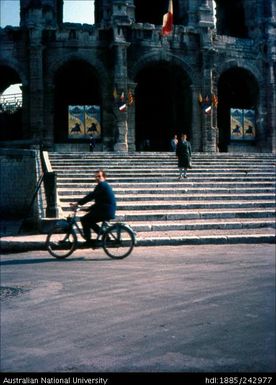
[117,240]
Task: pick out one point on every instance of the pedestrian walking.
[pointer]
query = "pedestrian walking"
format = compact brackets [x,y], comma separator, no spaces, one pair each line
[92,143]
[174,142]
[183,153]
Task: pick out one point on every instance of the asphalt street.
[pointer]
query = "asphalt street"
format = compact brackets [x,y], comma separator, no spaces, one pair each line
[163,309]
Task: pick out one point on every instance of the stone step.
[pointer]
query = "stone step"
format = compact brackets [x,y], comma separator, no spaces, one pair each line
[66,197]
[197,232]
[190,178]
[145,163]
[191,205]
[158,155]
[173,173]
[177,215]
[210,224]
[183,184]
[227,198]
[152,193]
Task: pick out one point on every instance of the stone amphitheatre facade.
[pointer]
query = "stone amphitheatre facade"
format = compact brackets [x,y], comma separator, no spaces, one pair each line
[219,60]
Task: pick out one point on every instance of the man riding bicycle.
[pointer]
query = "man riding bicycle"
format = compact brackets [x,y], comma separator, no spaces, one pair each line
[103,209]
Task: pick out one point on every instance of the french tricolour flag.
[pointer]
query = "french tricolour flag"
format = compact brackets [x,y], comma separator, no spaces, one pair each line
[167,26]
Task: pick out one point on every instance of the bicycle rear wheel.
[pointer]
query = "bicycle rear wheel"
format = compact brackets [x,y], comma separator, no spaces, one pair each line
[61,242]
[118,241]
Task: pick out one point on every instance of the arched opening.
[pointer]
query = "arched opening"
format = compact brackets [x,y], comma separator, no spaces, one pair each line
[163,106]
[238,95]
[77,103]
[154,14]
[230,18]
[10,104]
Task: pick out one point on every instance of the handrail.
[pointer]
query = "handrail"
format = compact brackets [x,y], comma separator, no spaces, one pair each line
[52,210]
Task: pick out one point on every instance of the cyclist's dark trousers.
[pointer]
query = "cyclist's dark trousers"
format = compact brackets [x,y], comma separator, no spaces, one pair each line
[89,221]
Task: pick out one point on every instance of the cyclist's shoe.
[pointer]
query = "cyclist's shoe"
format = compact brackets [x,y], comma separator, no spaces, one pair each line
[63,242]
[91,243]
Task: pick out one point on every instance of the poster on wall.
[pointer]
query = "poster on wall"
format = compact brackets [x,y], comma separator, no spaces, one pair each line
[236,125]
[242,124]
[249,125]
[92,121]
[84,121]
[75,122]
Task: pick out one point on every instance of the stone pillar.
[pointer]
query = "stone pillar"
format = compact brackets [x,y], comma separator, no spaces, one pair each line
[209,136]
[206,25]
[120,81]
[205,15]
[196,120]
[131,119]
[36,84]
[48,131]
[271,81]
[272,108]
[214,122]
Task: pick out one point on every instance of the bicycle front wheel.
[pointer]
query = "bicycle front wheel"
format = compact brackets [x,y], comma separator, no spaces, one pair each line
[118,241]
[61,242]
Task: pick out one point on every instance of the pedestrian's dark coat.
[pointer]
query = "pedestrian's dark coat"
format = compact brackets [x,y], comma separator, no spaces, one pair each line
[184,153]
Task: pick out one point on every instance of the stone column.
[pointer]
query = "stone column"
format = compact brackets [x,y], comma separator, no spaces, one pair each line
[48,131]
[271,81]
[36,84]
[196,120]
[272,108]
[120,81]
[206,24]
[208,131]
[131,119]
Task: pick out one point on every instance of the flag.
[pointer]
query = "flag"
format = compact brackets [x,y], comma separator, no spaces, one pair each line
[122,105]
[130,98]
[115,95]
[206,105]
[214,100]
[167,26]
[207,109]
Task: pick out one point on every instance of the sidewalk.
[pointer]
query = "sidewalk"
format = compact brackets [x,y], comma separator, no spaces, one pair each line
[12,242]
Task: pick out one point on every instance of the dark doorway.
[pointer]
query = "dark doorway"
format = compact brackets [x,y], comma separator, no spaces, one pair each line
[76,83]
[10,107]
[237,88]
[163,106]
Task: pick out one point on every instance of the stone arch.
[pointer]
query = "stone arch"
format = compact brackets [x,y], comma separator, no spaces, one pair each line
[96,64]
[169,58]
[241,64]
[76,81]
[163,105]
[11,112]
[16,67]
[239,89]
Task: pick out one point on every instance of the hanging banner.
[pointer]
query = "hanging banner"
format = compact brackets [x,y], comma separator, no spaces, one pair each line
[92,119]
[242,124]
[249,125]
[75,121]
[84,122]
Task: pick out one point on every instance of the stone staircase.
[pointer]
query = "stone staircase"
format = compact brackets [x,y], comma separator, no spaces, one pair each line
[227,198]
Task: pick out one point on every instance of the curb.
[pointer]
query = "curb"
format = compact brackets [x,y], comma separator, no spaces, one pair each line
[14,246]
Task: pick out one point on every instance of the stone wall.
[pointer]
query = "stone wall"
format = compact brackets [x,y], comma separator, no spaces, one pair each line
[17,183]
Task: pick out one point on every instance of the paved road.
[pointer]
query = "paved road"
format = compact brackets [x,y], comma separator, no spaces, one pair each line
[187,309]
